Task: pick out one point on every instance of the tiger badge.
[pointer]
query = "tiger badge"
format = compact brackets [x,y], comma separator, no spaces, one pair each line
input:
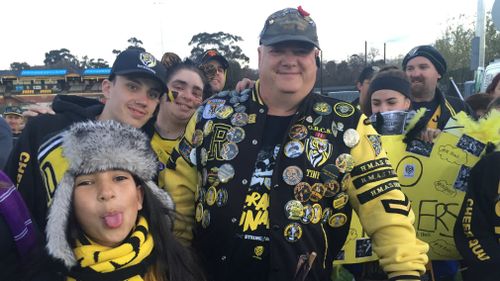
[318,151]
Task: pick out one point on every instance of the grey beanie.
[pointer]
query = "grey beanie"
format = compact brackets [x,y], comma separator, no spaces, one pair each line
[97,146]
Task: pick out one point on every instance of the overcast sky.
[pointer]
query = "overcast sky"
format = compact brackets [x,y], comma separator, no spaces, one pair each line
[30,28]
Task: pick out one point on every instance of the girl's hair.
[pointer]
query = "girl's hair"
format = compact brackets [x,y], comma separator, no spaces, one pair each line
[491,87]
[174,262]
[174,64]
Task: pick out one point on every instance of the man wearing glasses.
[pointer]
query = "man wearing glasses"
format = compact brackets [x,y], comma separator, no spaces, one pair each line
[215,67]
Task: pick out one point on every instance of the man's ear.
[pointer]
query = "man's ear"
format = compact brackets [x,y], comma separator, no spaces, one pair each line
[318,59]
[106,87]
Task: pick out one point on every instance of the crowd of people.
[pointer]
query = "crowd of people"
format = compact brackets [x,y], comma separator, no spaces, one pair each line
[175,178]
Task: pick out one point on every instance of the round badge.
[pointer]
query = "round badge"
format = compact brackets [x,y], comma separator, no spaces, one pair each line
[199,194]
[308,214]
[240,108]
[203,156]
[292,175]
[329,172]
[337,220]
[235,134]
[234,100]
[229,151]
[199,212]
[225,173]
[222,94]
[224,112]
[213,175]
[197,137]
[192,157]
[322,108]
[345,182]
[317,120]
[331,188]
[210,196]
[239,119]
[293,232]
[221,197]
[317,213]
[340,200]
[345,162]
[205,220]
[204,176]
[298,132]
[317,192]
[294,210]
[302,192]
[326,215]
[294,149]
[351,138]
[243,97]
[343,109]
[207,128]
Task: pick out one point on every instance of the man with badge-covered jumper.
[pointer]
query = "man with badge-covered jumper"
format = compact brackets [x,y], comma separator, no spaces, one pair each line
[270,179]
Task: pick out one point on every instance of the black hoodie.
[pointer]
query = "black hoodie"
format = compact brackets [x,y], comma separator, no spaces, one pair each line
[24,167]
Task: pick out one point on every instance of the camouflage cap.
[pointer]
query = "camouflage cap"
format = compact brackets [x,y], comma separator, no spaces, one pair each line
[289,25]
[13,110]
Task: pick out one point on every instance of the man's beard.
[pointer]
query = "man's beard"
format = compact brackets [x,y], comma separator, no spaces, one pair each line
[421,90]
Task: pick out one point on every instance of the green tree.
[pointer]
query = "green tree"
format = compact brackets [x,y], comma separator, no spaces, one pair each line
[455,46]
[492,41]
[61,57]
[19,66]
[93,63]
[134,42]
[225,43]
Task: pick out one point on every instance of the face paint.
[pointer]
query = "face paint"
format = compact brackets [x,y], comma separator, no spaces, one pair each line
[172,95]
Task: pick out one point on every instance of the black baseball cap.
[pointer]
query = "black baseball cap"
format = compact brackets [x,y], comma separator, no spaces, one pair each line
[289,24]
[213,54]
[135,61]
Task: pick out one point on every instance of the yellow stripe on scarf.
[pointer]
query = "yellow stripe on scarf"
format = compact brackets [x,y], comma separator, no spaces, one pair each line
[123,256]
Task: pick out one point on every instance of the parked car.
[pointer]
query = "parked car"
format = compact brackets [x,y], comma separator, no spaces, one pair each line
[489,73]
[347,96]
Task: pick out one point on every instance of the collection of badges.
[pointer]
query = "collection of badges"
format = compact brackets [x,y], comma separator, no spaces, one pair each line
[305,207]
[217,108]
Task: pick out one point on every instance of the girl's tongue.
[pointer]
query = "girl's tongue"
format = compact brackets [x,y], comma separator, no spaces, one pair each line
[113,220]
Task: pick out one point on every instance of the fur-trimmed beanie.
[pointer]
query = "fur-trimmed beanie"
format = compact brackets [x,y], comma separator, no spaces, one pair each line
[98,146]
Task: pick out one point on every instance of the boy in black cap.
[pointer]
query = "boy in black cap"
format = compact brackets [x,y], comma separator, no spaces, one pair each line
[424,65]
[215,67]
[132,92]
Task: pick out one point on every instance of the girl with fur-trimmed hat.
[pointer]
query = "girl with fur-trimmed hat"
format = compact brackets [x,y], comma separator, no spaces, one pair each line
[108,219]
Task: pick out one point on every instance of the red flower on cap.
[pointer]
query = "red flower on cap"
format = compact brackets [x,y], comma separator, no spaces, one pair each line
[212,53]
[302,12]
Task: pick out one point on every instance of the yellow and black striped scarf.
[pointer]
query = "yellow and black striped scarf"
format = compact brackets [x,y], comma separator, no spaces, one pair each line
[128,261]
